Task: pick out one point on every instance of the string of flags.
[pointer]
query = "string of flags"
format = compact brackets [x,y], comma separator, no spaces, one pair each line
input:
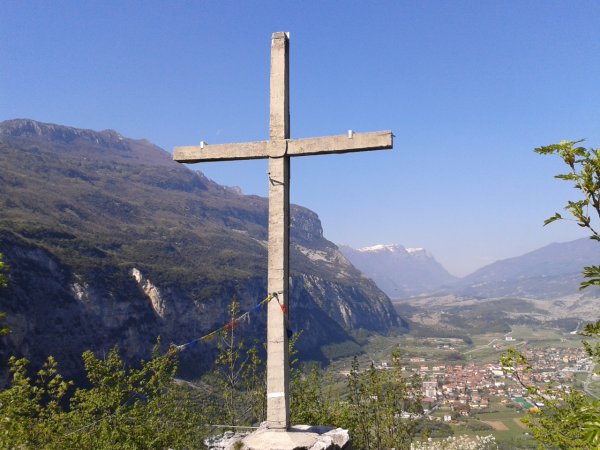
[228,326]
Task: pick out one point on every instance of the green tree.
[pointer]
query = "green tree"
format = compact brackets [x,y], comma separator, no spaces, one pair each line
[30,411]
[584,172]
[382,406]
[255,380]
[312,398]
[569,419]
[123,408]
[239,374]
[128,407]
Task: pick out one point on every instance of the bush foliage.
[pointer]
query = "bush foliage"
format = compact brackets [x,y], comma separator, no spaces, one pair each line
[123,407]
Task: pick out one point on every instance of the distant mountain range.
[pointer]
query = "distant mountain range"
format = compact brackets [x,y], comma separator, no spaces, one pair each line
[550,272]
[399,271]
[111,242]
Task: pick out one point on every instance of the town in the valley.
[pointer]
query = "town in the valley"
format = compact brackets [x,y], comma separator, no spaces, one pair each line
[464,388]
[455,390]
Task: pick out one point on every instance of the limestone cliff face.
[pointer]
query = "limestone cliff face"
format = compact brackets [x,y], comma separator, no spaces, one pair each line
[151,291]
[53,311]
[110,242]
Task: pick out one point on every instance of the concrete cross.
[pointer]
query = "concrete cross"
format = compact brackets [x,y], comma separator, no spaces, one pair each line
[278,149]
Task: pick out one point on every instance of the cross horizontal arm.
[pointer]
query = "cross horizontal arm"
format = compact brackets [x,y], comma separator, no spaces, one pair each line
[221,152]
[352,142]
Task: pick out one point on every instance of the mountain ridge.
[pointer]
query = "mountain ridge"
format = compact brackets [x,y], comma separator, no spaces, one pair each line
[398,271]
[551,271]
[94,208]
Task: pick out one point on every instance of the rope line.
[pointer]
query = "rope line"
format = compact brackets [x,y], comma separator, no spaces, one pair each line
[228,326]
[90,424]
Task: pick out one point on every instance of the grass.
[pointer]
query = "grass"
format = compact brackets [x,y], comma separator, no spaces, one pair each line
[507,416]
[545,336]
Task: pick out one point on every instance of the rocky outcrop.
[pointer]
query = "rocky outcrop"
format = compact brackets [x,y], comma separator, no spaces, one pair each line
[54,133]
[151,291]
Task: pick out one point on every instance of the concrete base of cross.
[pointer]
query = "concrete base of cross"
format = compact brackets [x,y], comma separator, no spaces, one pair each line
[299,437]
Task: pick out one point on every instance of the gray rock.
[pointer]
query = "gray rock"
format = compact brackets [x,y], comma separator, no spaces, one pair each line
[299,437]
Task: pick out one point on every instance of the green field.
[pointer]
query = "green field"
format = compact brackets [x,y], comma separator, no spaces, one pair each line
[509,429]
[546,337]
[501,421]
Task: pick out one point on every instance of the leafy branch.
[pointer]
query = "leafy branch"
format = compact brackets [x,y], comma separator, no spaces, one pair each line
[569,419]
[584,173]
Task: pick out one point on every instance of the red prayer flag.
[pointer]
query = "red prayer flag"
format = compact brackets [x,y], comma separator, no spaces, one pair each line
[231,325]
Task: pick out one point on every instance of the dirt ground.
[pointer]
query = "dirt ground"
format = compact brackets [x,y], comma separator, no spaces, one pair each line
[518,422]
[498,425]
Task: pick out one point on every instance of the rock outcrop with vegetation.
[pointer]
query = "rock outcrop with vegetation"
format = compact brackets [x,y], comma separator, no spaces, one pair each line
[110,242]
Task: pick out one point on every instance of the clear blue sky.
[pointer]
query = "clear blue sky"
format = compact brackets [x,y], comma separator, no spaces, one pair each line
[468,87]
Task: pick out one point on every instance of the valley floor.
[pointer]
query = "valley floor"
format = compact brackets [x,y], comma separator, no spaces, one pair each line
[455,346]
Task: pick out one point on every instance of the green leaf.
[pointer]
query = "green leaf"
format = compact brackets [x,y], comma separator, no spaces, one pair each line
[555,217]
[592,275]
[567,176]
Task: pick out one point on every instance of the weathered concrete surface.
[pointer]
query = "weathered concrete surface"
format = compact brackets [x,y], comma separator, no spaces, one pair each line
[359,142]
[278,397]
[278,408]
[299,437]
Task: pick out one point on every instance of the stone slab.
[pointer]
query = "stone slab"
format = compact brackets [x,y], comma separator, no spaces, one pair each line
[299,437]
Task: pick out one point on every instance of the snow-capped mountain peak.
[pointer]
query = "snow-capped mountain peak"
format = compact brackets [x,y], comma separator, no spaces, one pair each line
[395,248]
[399,271]
[381,248]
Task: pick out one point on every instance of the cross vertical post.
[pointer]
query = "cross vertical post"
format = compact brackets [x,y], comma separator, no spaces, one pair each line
[278,150]
[278,396]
